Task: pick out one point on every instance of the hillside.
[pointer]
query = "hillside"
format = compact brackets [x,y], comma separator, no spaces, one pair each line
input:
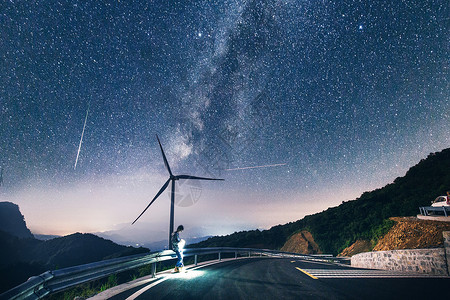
[78,248]
[407,233]
[301,242]
[357,247]
[412,233]
[21,258]
[366,218]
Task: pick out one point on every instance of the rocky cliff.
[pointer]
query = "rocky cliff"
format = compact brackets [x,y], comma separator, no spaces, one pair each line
[12,221]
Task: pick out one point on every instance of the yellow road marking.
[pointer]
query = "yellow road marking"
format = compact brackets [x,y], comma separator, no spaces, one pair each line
[312,276]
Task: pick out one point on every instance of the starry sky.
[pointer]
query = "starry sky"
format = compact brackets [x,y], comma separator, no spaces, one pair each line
[346,95]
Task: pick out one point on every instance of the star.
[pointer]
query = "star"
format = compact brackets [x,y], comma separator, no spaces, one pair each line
[349,101]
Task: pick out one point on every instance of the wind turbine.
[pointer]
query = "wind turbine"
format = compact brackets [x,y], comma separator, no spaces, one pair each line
[172,178]
[1,176]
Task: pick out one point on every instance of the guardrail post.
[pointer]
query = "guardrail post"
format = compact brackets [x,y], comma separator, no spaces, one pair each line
[220,256]
[235,255]
[195,260]
[248,253]
[154,270]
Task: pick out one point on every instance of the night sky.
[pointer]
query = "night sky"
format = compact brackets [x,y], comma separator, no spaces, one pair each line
[346,94]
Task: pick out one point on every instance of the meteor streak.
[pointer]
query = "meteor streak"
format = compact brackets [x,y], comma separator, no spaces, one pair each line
[82,134]
[255,167]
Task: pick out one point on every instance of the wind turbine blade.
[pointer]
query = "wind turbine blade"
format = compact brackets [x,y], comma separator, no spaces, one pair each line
[157,195]
[164,157]
[195,177]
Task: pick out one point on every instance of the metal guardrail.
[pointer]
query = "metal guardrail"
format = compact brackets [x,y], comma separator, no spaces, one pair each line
[427,210]
[51,282]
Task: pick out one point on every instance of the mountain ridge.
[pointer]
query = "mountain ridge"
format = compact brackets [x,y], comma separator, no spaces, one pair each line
[23,256]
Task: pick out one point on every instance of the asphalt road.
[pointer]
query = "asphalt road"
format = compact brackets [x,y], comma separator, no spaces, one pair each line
[275,278]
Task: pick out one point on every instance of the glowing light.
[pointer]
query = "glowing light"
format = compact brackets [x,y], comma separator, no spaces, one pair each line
[188,275]
[181,244]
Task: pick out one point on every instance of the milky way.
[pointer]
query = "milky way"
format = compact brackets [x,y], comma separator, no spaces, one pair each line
[349,94]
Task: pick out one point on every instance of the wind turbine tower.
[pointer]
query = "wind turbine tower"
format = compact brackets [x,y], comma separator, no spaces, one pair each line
[172,178]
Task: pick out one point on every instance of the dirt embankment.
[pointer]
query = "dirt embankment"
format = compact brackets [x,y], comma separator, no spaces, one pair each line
[407,233]
[302,242]
[357,247]
[412,233]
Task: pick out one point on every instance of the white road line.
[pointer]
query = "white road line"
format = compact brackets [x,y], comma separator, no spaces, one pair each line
[123,287]
[169,276]
[317,262]
[143,290]
[348,273]
[310,275]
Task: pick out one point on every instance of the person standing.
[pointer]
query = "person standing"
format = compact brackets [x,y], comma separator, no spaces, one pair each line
[177,246]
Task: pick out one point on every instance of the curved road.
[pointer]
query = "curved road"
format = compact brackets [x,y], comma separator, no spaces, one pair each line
[276,278]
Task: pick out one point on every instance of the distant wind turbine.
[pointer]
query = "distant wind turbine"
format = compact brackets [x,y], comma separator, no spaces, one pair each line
[1,176]
[172,178]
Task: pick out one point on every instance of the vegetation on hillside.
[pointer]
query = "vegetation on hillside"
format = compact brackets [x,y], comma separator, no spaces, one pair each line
[23,258]
[413,233]
[365,218]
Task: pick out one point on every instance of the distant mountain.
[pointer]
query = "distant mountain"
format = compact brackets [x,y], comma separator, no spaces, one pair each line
[77,249]
[162,245]
[23,256]
[366,218]
[143,234]
[12,221]
[45,237]
[139,234]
